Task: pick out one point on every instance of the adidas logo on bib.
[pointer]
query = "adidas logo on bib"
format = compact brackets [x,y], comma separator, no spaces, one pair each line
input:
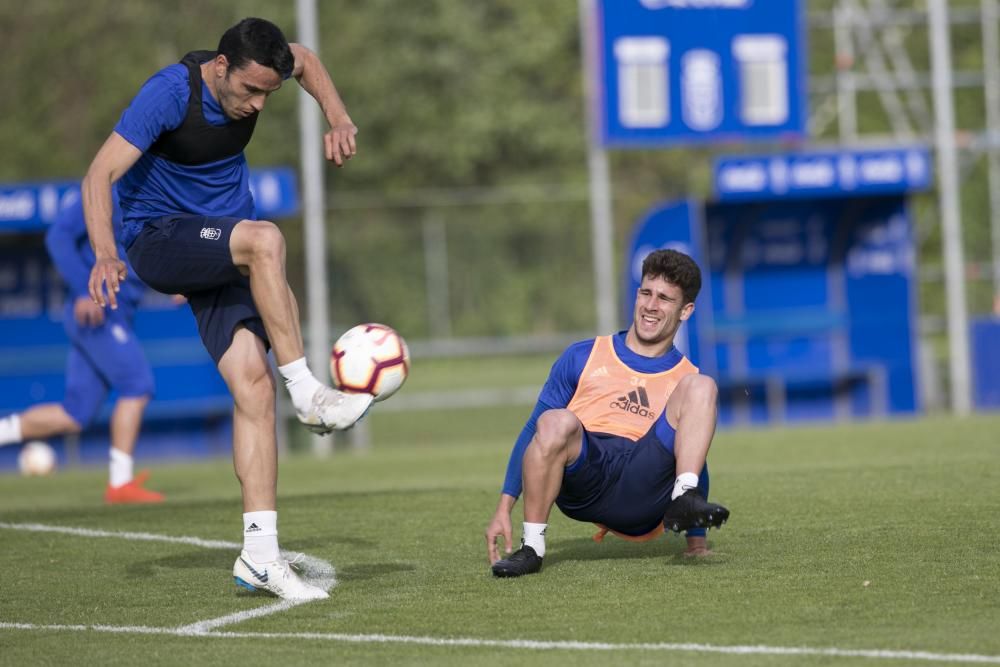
[636,402]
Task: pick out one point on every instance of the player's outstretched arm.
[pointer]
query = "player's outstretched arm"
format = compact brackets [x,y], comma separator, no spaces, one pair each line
[500,527]
[114,158]
[338,143]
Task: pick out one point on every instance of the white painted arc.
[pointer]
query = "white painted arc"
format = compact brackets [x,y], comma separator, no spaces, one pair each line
[318,572]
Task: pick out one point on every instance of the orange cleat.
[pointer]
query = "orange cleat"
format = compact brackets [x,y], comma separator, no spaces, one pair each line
[132,492]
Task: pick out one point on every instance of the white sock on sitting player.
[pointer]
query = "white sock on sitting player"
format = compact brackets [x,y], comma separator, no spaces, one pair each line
[260,536]
[301,383]
[534,537]
[119,468]
[10,430]
[684,481]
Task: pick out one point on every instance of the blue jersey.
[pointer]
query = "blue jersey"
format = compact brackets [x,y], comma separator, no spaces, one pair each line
[69,248]
[156,187]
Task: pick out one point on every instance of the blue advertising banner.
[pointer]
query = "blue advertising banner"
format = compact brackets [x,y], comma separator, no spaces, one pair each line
[33,206]
[682,71]
[836,173]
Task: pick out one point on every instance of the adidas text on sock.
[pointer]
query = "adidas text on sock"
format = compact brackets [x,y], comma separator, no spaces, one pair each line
[260,535]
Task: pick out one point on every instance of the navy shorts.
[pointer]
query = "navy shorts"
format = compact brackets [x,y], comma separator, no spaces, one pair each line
[189,255]
[619,483]
[104,357]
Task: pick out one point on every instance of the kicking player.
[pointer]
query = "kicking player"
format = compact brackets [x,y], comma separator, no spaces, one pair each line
[104,355]
[620,432]
[190,229]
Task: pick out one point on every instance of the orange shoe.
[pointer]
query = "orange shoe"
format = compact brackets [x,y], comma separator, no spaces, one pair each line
[132,493]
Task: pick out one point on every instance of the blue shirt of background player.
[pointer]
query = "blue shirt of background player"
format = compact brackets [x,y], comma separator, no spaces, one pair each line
[155,187]
[558,392]
[69,248]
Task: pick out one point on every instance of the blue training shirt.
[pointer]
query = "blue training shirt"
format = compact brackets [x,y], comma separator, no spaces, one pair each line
[69,248]
[155,187]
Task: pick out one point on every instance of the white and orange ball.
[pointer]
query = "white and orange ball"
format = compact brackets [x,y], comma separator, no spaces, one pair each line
[36,459]
[370,358]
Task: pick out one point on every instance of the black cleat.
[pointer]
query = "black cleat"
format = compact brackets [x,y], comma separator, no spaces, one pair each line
[690,510]
[523,561]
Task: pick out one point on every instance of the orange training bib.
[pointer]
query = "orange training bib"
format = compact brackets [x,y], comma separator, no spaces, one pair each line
[612,398]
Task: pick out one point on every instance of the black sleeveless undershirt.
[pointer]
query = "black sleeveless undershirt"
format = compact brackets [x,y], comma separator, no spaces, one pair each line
[197,141]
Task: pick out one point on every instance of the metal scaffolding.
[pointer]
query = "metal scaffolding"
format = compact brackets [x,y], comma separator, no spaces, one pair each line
[871,57]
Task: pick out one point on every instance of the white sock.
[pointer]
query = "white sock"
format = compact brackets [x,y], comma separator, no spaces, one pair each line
[10,430]
[260,536]
[301,383]
[534,537]
[684,481]
[119,468]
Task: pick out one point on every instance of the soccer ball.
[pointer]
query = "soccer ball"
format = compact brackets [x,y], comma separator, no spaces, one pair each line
[36,459]
[370,358]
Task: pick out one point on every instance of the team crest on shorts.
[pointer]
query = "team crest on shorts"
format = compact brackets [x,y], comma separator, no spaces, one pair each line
[211,233]
[119,333]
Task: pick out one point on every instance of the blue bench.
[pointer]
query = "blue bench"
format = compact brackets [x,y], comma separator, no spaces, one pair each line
[823,365]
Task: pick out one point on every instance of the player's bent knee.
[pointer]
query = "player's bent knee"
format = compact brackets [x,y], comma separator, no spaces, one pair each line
[257,241]
[699,388]
[555,429]
[269,242]
[76,417]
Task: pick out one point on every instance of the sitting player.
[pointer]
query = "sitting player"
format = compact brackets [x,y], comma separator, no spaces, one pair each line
[620,432]
[104,355]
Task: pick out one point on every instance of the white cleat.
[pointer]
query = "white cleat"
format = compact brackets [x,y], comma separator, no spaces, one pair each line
[278,577]
[332,410]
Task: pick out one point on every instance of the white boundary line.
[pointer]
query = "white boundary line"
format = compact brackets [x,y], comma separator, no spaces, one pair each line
[322,574]
[472,642]
[318,572]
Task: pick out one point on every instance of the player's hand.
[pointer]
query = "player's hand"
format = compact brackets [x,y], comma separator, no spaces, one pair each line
[339,144]
[106,278]
[499,527]
[87,313]
[178,299]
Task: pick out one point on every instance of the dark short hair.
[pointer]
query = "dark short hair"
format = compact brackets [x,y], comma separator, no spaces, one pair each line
[258,40]
[674,267]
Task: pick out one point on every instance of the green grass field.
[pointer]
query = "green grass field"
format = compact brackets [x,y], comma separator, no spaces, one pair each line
[880,538]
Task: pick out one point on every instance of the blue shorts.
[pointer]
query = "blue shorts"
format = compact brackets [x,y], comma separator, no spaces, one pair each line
[620,483]
[189,255]
[101,358]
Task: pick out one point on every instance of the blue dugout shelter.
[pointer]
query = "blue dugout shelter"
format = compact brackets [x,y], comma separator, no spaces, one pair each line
[808,307]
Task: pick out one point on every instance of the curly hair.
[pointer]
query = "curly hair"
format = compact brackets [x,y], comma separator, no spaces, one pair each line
[674,267]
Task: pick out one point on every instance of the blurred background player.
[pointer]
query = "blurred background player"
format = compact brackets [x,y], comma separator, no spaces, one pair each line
[104,355]
[620,432]
[189,229]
